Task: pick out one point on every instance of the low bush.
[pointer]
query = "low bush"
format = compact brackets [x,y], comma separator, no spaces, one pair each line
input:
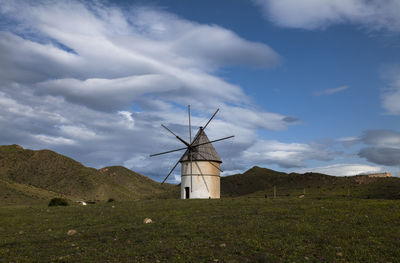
[58,202]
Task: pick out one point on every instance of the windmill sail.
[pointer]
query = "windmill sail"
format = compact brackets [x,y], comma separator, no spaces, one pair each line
[200,164]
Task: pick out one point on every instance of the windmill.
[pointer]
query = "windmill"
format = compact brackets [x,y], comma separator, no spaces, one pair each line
[200,164]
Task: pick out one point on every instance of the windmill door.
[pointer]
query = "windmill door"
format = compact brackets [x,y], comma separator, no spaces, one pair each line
[187,192]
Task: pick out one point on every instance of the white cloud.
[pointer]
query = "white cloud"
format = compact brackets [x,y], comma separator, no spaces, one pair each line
[315,14]
[342,169]
[391,93]
[391,102]
[127,119]
[77,132]
[349,141]
[177,179]
[53,140]
[286,155]
[137,161]
[231,172]
[95,83]
[123,55]
[332,91]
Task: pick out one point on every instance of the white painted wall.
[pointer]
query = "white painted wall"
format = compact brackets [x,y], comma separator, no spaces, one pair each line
[204,182]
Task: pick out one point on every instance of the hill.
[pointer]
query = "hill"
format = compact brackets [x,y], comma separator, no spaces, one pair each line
[15,193]
[28,177]
[137,183]
[37,175]
[261,181]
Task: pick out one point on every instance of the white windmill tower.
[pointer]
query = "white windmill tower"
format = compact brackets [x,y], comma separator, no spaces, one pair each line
[200,164]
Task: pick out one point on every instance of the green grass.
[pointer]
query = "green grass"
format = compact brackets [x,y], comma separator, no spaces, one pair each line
[227,230]
[30,177]
[261,181]
[340,219]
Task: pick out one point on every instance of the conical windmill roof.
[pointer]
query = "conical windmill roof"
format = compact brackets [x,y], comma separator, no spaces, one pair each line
[204,152]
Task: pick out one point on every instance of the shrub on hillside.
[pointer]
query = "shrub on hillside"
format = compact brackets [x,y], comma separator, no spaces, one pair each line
[58,202]
[111,200]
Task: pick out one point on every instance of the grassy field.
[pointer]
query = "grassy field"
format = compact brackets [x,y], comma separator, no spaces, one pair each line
[287,229]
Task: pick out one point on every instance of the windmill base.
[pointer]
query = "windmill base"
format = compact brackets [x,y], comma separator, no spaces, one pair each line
[200,187]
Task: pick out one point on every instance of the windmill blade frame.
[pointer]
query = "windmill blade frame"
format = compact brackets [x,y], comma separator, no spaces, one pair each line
[199,155]
[171,151]
[210,162]
[190,126]
[170,172]
[179,138]
[225,138]
[203,127]
[193,146]
[201,173]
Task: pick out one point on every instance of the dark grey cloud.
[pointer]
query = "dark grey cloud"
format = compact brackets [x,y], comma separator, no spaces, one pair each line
[289,119]
[380,155]
[381,137]
[383,147]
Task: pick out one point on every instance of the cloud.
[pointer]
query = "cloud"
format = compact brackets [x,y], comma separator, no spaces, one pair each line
[94,81]
[83,52]
[391,93]
[286,155]
[381,137]
[134,41]
[391,102]
[349,141]
[108,94]
[319,14]
[328,92]
[342,169]
[53,140]
[384,147]
[381,155]
[377,146]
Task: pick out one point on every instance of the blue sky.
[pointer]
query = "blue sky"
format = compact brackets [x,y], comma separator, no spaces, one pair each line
[304,86]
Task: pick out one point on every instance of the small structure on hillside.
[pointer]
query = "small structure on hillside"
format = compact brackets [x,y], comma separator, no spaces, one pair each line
[379,175]
[200,164]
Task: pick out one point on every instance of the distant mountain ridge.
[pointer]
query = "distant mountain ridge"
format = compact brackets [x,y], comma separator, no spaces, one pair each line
[44,173]
[259,181]
[28,177]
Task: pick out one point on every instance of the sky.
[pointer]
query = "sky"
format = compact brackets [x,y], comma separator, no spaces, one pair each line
[306,85]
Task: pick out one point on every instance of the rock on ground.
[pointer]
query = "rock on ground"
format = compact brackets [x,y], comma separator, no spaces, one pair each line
[147,221]
[71,232]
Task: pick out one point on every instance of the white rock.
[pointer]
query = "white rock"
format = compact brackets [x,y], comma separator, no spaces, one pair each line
[71,232]
[147,221]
